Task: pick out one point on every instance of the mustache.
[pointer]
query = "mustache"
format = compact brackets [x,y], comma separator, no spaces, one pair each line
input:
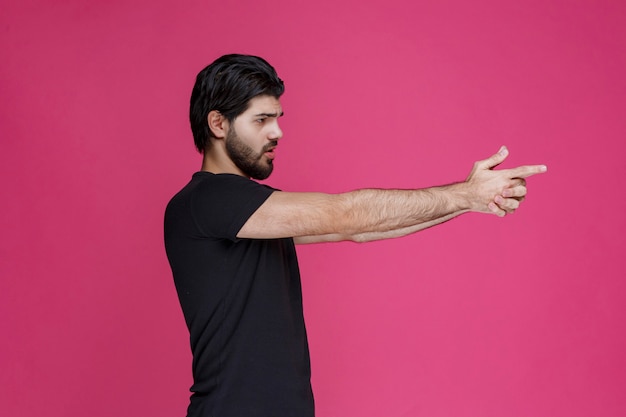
[269,146]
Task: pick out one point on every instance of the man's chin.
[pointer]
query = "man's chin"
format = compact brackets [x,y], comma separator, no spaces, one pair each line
[262,176]
[264,173]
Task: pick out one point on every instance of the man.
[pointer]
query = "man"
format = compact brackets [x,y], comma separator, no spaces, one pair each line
[230,242]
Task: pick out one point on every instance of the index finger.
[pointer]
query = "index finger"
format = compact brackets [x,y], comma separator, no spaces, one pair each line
[527,171]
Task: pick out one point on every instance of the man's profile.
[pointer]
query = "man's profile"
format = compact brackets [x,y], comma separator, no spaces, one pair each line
[230,241]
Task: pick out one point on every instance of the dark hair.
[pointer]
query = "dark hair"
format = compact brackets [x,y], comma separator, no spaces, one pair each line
[227,85]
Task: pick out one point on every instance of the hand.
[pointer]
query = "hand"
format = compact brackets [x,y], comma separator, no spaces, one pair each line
[499,192]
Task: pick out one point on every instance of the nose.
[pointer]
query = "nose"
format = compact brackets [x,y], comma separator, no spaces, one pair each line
[276,132]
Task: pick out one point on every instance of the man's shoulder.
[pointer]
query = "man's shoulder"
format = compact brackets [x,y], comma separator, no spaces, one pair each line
[203,181]
[216,204]
[209,187]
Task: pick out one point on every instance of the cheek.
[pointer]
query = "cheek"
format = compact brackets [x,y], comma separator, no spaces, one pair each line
[246,135]
[249,132]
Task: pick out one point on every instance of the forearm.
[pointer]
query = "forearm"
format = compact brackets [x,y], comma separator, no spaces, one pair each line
[367,211]
[399,212]
[372,236]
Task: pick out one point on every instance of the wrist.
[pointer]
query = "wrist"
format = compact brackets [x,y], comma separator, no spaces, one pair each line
[462,197]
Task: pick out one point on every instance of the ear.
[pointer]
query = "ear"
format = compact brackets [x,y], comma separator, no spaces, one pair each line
[218,124]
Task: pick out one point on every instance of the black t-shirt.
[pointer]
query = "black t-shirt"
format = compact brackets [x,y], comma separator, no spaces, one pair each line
[242,303]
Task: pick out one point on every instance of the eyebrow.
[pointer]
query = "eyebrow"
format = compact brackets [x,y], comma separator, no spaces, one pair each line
[269,114]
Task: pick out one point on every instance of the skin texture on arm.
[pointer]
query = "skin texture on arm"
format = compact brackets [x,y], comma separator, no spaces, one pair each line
[348,214]
[371,236]
[371,214]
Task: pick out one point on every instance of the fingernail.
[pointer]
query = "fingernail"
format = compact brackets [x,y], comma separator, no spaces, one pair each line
[543,168]
[503,151]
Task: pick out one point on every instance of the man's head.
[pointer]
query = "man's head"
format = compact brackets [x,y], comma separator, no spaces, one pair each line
[227,86]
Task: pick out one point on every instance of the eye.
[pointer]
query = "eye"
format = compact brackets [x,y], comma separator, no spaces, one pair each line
[261,120]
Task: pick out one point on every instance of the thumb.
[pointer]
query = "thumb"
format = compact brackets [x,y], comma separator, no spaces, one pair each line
[494,160]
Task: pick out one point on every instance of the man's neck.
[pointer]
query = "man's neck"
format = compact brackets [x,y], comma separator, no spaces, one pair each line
[218,162]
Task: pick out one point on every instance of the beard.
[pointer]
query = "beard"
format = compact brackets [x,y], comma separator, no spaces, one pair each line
[252,164]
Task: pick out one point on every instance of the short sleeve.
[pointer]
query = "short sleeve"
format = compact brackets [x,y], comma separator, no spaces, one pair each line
[222,203]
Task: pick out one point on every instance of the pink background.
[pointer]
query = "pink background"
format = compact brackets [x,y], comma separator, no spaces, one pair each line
[522,316]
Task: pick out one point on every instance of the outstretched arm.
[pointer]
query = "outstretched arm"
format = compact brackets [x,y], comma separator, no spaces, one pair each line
[374,214]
